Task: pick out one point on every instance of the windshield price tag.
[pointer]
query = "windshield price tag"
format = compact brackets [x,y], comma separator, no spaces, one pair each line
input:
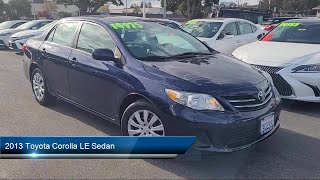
[127,25]
[289,24]
[192,22]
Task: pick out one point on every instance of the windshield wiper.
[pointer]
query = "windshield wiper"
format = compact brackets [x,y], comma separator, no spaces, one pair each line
[189,54]
[153,58]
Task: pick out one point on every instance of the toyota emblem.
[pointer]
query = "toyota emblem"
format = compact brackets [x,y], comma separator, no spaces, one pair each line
[262,96]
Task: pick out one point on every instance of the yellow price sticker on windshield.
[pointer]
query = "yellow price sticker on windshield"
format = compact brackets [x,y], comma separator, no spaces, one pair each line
[289,24]
[127,25]
[192,22]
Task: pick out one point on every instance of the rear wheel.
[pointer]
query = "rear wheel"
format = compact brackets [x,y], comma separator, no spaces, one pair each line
[39,88]
[141,119]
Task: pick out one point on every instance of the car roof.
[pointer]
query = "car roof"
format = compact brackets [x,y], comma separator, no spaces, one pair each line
[220,19]
[112,19]
[310,20]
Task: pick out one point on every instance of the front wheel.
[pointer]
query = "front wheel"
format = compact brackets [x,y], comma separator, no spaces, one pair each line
[141,119]
[39,88]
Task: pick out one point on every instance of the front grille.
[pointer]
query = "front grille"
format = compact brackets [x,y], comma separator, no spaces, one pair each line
[282,86]
[242,134]
[250,102]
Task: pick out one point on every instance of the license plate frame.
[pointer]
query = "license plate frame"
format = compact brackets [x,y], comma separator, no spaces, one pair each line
[267,124]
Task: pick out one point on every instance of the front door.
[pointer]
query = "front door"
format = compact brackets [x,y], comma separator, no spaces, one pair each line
[93,82]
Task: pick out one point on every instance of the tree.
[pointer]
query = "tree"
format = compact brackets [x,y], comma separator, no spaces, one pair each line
[103,9]
[49,7]
[88,6]
[20,8]
[136,8]
[172,5]
[149,5]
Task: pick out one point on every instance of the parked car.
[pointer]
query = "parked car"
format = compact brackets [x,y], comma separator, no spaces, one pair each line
[273,22]
[224,34]
[134,73]
[17,40]
[6,34]
[290,53]
[11,24]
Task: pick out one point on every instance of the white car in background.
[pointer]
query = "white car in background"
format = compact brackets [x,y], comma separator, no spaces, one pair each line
[17,40]
[7,33]
[290,53]
[224,34]
[11,24]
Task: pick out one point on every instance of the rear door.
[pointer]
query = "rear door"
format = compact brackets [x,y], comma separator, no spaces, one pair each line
[55,53]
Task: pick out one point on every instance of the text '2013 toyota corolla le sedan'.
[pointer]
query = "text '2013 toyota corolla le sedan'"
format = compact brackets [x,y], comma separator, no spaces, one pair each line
[153,80]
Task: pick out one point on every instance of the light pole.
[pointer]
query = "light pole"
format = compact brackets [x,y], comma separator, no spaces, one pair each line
[144,8]
[126,7]
[165,9]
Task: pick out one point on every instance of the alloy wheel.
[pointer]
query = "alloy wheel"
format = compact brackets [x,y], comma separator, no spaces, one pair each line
[145,123]
[38,86]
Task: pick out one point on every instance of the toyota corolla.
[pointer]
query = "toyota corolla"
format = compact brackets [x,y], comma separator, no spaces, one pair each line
[152,80]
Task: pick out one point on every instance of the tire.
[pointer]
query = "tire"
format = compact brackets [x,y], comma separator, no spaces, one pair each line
[40,88]
[133,126]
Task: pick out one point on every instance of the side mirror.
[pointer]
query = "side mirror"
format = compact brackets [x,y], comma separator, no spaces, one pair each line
[260,36]
[34,28]
[103,55]
[227,35]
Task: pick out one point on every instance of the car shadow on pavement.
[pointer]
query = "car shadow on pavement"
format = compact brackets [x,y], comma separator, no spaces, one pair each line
[304,108]
[85,117]
[285,155]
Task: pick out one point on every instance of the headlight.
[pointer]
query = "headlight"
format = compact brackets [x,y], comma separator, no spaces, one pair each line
[194,100]
[307,68]
[5,34]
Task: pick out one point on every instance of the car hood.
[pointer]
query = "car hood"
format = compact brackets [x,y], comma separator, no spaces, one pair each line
[275,53]
[27,33]
[12,31]
[216,72]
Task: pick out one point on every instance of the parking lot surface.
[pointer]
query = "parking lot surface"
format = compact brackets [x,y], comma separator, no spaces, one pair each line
[292,152]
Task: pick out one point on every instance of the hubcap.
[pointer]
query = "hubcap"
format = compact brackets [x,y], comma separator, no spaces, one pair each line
[38,86]
[145,123]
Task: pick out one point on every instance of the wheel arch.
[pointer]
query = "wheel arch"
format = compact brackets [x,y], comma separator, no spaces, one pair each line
[31,69]
[128,100]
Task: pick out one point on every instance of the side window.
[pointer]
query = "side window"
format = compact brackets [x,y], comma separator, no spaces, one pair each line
[230,29]
[64,34]
[254,28]
[17,25]
[245,28]
[93,37]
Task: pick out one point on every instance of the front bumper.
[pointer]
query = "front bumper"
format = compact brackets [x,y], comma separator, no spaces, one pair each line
[295,86]
[16,45]
[220,131]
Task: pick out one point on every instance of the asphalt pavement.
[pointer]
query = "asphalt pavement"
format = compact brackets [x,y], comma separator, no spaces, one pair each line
[292,152]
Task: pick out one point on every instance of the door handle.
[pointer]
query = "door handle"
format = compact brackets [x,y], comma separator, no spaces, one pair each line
[73,61]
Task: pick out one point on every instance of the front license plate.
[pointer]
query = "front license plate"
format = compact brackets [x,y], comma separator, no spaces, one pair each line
[267,124]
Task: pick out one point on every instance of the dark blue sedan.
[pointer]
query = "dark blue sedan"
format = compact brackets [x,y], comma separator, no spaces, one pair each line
[152,80]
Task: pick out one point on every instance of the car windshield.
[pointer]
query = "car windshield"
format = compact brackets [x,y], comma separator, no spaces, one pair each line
[202,28]
[295,32]
[28,25]
[48,26]
[6,24]
[153,41]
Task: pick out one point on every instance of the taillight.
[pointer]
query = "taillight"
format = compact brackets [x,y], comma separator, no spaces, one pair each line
[24,47]
[269,28]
